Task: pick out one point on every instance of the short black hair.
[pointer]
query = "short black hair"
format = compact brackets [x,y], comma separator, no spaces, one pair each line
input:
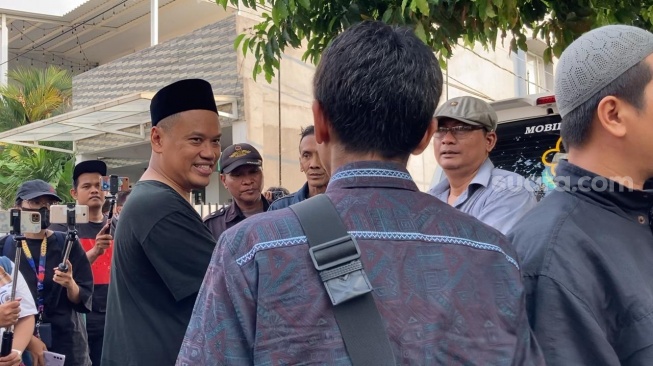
[306,131]
[121,197]
[629,86]
[378,86]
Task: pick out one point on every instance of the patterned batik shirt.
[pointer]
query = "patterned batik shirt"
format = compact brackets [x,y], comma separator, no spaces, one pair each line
[447,286]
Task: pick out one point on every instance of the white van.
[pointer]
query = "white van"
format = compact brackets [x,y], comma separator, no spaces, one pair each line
[528,142]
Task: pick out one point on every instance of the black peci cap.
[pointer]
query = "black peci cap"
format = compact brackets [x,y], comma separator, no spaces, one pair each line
[181,96]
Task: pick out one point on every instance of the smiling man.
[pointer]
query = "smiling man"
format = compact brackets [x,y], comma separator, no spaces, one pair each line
[311,165]
[162,249]
[462,144]
[241,175]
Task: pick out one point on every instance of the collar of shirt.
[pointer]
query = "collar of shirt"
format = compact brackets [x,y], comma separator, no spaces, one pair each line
[302,194]
[605,192]
[234,212]
[371,174]
[482,178]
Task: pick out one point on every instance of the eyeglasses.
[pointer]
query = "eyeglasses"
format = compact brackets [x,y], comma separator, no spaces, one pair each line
[458,132]
[40,203]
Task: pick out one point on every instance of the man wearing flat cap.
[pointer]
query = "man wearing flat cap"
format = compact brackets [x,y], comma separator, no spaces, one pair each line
[587,248]
[462,144]
[96,241]
[241,174]
[162,249]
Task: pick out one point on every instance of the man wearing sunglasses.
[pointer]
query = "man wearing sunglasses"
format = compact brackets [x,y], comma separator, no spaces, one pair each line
[462,144]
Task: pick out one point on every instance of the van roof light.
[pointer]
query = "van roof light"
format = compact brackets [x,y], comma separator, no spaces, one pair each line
[546,100]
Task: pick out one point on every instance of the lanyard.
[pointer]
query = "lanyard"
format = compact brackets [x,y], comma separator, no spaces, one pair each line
[40,273]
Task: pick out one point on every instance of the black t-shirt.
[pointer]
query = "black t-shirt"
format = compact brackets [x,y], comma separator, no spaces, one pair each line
[102,265]
[161,253]
[68,332]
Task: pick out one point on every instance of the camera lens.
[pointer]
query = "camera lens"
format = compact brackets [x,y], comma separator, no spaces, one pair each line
[35,218]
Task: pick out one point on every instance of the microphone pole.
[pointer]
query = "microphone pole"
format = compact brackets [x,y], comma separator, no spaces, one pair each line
[71,237]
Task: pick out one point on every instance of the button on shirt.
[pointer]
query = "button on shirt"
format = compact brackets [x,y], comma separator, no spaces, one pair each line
[448,288]
[495,196]
[587,256]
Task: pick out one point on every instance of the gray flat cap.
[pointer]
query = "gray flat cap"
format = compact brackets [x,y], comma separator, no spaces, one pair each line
[469,110]
[595,60]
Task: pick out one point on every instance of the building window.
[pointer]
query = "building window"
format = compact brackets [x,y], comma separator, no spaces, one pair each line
[535,74]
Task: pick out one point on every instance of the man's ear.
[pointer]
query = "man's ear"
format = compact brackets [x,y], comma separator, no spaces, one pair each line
[223,178]
[320,123]
[73,192]
[491,139]
[426,139]
[156,139]
[612,114]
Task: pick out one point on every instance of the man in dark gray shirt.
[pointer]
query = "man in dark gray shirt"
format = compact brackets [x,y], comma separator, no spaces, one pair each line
[162,249]
[587,248]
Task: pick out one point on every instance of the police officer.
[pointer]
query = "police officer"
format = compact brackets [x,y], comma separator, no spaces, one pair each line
[242,175]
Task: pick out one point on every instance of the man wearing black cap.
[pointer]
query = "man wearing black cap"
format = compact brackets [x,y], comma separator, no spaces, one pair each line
[241,175]
[60,326]
[96,241]
[162,249]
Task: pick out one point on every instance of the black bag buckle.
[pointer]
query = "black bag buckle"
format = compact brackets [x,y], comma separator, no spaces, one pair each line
[340,268]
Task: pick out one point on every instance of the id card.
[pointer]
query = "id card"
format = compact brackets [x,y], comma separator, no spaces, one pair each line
[54,359]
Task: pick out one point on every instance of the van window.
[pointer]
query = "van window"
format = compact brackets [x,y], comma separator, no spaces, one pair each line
[532,149]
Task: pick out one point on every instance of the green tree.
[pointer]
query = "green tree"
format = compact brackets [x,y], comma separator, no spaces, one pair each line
[19,164]
[439,23]
[34,94]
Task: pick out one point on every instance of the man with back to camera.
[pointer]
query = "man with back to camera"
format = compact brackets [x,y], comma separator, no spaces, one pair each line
[242,175]
[586,249]
[96,240]
[447,287]
[462,145]
[162,249]
[310,164]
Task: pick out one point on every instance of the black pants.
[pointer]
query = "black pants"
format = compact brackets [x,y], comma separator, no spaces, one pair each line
[95,330]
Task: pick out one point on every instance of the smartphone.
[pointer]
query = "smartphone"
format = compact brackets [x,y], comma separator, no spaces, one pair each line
[30,221]
[54,359]
[115,184]
[59,214]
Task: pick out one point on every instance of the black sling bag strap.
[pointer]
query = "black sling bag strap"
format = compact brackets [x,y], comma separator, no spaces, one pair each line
[336,257]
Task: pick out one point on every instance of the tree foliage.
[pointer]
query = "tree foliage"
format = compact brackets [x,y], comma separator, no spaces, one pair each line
[19,164]
[34,94]
[439,23]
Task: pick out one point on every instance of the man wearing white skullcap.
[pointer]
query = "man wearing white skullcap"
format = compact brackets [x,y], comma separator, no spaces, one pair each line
[587,249]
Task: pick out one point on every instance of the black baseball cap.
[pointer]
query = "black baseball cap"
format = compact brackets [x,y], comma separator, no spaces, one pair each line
[90,166]
[36,188]
[238,155]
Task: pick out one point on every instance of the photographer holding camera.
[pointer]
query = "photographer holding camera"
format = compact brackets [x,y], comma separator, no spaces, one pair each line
[96,240]
[60,327]
[241,174]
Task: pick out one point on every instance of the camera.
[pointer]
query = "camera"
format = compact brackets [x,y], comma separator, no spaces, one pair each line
[276,195]
[59,214]
[30,221]
[115,184]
